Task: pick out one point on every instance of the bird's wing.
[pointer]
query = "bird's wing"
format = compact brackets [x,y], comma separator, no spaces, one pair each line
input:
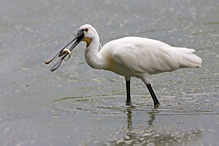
[150,57]
[184,57]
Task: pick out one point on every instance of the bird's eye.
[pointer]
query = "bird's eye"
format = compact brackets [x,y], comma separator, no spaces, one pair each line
[86,29]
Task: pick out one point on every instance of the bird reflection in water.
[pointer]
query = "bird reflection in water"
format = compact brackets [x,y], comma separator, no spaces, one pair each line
[155,135]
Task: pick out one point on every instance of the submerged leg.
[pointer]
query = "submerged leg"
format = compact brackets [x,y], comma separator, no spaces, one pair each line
[156,102]
[128,100]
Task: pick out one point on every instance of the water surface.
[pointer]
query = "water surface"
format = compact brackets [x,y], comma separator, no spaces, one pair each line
[77,105]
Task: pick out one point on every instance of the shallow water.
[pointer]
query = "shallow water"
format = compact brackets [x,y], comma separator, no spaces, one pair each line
[77,105]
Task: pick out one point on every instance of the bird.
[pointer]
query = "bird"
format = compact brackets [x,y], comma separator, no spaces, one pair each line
[130,57]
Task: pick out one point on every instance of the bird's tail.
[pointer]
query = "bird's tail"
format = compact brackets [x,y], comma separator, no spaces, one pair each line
[187,58]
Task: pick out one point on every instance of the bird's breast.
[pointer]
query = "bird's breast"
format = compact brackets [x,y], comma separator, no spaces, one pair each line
[110,65]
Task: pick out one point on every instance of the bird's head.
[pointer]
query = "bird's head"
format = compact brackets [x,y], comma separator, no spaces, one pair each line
[89,33]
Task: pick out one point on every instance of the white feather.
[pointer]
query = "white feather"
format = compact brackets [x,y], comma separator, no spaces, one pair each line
[137,57]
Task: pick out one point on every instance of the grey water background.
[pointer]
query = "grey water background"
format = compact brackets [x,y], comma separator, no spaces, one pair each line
[77,105]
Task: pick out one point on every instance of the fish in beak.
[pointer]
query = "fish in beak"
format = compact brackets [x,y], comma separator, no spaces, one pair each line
[64,52]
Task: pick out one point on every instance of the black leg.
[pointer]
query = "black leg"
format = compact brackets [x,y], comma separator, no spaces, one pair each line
[128,100]
[156,102]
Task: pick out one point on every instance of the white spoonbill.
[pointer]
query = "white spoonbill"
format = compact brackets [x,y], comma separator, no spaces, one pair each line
[130,57]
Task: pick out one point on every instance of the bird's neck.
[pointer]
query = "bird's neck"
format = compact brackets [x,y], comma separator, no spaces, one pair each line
[92,56]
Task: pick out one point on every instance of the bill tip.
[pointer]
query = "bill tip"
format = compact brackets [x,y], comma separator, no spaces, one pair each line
[47,61]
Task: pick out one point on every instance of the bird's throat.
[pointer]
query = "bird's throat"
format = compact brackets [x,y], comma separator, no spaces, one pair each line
[88,41]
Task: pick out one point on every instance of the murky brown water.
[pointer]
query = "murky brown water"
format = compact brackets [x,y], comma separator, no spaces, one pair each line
[78,105]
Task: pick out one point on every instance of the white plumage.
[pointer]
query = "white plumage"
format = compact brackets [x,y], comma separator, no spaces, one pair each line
[136,57]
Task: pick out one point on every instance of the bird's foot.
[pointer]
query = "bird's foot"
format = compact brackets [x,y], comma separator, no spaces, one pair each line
[128,103]
[156,105]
